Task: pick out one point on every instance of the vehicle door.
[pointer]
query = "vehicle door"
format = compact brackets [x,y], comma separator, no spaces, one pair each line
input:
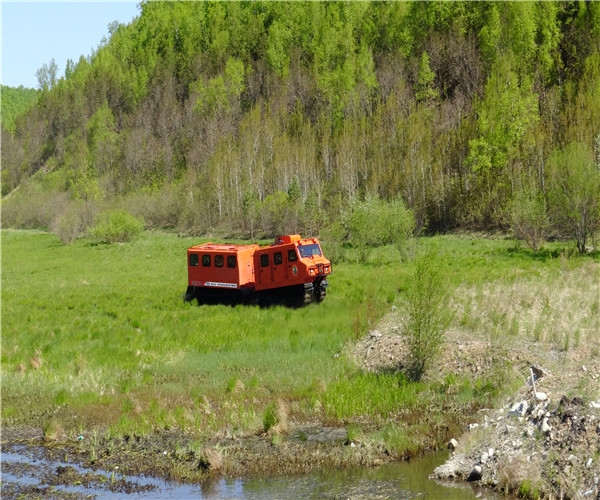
[278,267]
[263,268]
[291,259]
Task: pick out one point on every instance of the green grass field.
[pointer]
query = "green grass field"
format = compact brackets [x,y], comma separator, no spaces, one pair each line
[97,337]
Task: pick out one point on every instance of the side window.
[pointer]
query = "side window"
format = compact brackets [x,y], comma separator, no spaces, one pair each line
[194,259]
[277,258]
[219,261]
[264,260]
[231,261]
[292,256]
[205,260]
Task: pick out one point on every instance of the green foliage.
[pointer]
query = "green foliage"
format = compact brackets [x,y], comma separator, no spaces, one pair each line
[231,98]
[429,314]
[529,219]
[574,193]
[117,226]
[505,119]
[373,223]
[425,89]
[102,139]
[278,44]
[14,102]
[489,36]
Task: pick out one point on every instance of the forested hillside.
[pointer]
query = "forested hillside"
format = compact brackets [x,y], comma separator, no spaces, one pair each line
[267,117]
[15,101]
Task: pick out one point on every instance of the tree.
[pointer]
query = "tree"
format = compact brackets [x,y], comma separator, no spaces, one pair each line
[46,75]
[102,139]
[505,119]
[425,89]
[428,314]
[574,193]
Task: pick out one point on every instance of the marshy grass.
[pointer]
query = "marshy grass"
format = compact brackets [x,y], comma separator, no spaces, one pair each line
[99,336]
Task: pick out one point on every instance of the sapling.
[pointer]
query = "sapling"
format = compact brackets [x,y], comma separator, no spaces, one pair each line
[429,315]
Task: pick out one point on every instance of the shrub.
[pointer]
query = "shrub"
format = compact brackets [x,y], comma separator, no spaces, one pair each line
[33,208]
[374,222]
[73,222]
[429,315]
[117,226]
[528,219]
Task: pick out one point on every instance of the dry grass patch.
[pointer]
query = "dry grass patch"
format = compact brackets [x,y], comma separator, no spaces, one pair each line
[519,474]
[211,459]
[557,307]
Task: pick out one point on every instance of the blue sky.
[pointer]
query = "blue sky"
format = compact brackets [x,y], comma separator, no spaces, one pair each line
[35,32]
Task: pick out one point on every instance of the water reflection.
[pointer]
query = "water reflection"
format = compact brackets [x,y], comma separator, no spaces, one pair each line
[27,469]
[398,481]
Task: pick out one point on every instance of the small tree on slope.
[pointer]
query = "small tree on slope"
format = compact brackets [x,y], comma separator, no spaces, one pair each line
[428,315]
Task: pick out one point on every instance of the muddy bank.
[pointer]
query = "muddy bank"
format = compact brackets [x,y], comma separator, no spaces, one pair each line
[31,471]
[175,456]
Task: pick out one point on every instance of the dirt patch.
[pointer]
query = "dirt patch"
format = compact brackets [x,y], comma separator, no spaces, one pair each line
[545,440]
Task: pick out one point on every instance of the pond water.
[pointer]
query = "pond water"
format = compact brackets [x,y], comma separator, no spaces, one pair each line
[29,472]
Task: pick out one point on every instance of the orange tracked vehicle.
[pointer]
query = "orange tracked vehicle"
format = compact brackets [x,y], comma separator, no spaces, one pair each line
[291,270]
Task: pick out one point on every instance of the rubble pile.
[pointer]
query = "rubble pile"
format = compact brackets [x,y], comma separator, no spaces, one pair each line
[537,445]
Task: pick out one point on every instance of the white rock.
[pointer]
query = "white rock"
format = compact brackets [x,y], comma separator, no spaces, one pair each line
[491,452]
[518,409]
[452,444]
[595,405]
[545,428]
[472,427]
[484,458]
[541,396]
[475,474]
[589,462]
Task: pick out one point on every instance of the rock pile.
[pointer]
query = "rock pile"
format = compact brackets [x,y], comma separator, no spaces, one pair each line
[535,445]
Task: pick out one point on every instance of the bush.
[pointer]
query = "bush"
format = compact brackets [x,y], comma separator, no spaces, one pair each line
[528,219]
[373,223]
[73,222]
[117,226]
[428,315]
[32,208]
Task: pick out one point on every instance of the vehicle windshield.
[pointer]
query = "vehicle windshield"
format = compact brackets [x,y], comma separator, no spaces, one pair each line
[309,250]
